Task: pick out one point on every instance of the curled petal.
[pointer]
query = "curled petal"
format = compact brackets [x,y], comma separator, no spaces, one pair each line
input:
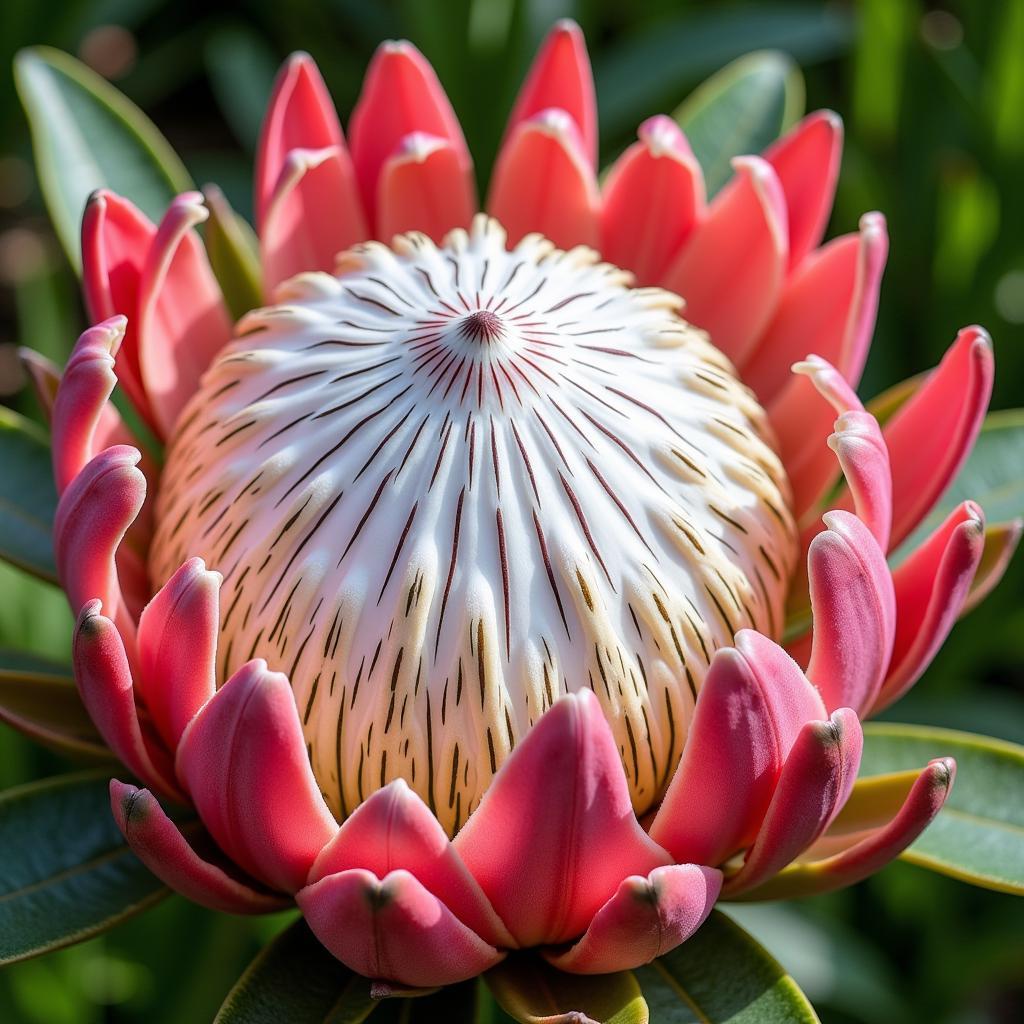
[751,707]
[934,430]
[652,199]
[401,95]
[244,750]
[731,269]
[806,159]
[646,918]
[931,588]
[561,77]
[44,376]
[177,643]
[814,784]
[854,614]
[393,929]
[162,847]
[542,182]
[424,186]
[564,779]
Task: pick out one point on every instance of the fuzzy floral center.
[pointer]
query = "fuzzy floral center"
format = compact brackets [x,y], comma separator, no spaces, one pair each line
[452,483]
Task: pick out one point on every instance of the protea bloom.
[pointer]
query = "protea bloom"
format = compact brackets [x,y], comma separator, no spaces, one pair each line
[455,608]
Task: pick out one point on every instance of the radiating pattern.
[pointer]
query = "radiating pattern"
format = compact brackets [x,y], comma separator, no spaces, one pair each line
[452,483]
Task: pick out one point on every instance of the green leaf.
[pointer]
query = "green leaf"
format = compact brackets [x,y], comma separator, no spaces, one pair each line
[978,836]
[722,976]
[531,991]
[28,496]
[741,109]
[66,873]
[295,979]
[234,254]
[39,698]
[86,135]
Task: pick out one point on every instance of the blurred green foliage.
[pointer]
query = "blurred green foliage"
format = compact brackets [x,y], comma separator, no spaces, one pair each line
[933,98]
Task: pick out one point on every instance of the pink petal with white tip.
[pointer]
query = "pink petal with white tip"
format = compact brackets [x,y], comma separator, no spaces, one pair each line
[652,200]
[394,830]
[424,186]
[561,77]
[732,267]
[814,784]
[827,307]
[646,918]
[931,588]
[564,779]
[393,929]
[401,95]
[104,681]
[751,707]
[542,182]
[245,750]
[161,846]
[177,644]
[933,432]
[854,614]
[183,322]
[807,160]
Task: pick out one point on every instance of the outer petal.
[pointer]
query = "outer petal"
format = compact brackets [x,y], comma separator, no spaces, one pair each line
[854,614]
[177,648]
[730,271]
[393,929]
[806,160]
[933,432]
[161,846]
[815,783]
[542,182]
[105,683]
[646,918]
[394,830]
[243,760]
[653,198]
[555,833]
[425,186]
[751,707]
[931,588]
[401,95]
[561,77]
[183,322]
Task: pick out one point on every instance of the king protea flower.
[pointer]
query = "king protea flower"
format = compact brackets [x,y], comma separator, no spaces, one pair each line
[457,608]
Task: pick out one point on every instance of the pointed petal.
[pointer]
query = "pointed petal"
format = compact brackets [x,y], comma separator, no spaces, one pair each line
[564,779]
[424,186]
[854,614]
[105,684]
[646,918]
[395,829]
[401,95]
[815,783]
[312,215]
[542,183]
[933,432]
[183,322]
[162,847]
[116,239]
[827,306]
[44,376]
[177,648]
[393,929]
[731,270]
[245,750]
[561,77]
[652,199]
[1001,540]
[807,159]
[931,588]
[751,707]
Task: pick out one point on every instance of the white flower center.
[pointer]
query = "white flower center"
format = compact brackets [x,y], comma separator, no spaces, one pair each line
[450,484]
